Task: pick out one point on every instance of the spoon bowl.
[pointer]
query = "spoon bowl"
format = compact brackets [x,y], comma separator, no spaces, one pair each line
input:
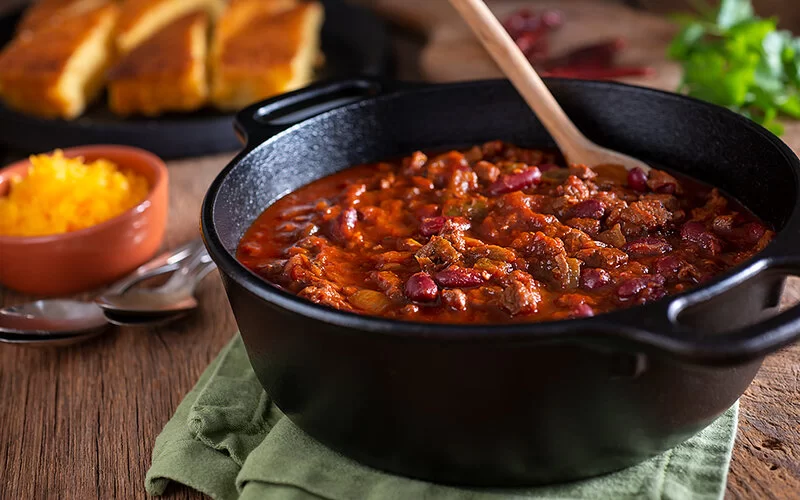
[174,296]
[147,303]
[52,317]
[144,320]
[50,340]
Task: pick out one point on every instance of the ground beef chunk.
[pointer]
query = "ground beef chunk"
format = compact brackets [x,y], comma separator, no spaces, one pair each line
[455,299]
[520,293]
[547,259]
[301,272]
[574,239]
[412,165]
[661,182]
[453,231]
[492,252]
[643,216]
[669,201]
[588,226]
[715,204]
[437,254]
[613,237]
[582,172]
[604,258]
[390,284]
[487,172]
[575,189]
[325,294]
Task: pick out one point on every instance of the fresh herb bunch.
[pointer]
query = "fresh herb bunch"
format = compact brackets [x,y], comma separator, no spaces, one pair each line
[736,59]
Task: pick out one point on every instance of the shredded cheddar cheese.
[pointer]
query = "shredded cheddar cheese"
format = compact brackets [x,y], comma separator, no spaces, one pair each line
[61,194]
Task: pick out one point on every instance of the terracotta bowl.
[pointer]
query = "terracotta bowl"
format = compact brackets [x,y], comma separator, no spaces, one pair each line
[88,258]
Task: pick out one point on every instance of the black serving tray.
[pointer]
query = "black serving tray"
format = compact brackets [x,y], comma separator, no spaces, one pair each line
[354,41]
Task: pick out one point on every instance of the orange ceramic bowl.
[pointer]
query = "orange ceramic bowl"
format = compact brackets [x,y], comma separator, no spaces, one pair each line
[80,260]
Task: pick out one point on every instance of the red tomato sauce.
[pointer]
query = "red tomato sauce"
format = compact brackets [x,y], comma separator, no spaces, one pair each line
[497,234]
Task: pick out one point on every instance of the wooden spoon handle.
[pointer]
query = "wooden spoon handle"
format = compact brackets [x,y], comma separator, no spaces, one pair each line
[516,67]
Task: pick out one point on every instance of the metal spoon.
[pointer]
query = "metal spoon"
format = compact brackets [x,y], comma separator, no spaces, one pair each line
[54,320]
[51,341]
[139,320]
[174,296]
[52,317]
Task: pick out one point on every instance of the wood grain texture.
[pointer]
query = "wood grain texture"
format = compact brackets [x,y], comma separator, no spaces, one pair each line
[453,54]
[80,422]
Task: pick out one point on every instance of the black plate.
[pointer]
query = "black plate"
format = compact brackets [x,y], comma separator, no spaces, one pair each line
[354,41]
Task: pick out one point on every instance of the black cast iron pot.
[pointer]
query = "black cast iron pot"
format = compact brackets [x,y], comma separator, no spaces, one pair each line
[516,404]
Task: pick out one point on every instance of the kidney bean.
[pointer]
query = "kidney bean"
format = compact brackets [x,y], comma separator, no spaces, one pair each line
[637,179]
[751,233]
[696,232]
[429,210]
[668,188]
[667,266]
[459,277]
[344,224]
[647,247]
[455,299]
[588,73]
[526,21]
[594,56]
[532,43]
[515,182]
[589,209]
[420,287]
[661,182]
[633,286]
[593,278]
[433,225]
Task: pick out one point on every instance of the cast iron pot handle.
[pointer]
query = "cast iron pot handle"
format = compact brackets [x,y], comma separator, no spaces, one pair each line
[659,326]
[260,121]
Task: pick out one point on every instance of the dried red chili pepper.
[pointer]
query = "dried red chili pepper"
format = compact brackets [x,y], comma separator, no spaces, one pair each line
[600,73]
[529,31]
[596,55]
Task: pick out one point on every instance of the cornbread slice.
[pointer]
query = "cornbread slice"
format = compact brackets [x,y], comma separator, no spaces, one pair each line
[141,19]
[57,70]
[44,12]
[166,72]
[261,49]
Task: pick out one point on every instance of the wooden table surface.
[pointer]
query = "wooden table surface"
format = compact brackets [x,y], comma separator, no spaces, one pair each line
[80,422]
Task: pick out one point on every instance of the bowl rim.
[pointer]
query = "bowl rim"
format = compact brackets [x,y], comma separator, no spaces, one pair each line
[159,167]
[629,325]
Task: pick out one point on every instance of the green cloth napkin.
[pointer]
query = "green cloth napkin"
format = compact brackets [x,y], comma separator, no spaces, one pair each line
[229,441]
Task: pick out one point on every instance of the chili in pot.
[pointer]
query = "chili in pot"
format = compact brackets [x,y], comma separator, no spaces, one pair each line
[497,234]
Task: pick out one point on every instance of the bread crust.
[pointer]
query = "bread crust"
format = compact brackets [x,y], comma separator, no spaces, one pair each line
[261,49]
[141,19]
[58,80]
[167,72]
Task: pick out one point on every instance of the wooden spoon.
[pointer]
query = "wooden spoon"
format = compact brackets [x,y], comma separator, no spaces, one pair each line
[573,144]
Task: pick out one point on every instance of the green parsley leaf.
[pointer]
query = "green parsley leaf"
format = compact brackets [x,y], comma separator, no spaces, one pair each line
[735,59]
[732,12]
